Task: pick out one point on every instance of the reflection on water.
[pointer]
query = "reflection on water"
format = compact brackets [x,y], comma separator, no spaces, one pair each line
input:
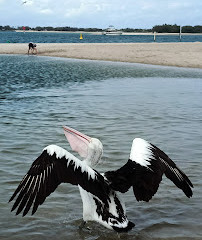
[115,102]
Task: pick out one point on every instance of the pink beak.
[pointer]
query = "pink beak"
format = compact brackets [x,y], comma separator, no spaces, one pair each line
[79,142]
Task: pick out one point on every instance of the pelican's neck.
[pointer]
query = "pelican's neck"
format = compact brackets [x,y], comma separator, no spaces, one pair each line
[91,162]
[87,162]
[94,152]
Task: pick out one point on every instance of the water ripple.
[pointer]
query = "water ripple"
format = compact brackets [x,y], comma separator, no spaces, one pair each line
[115,102]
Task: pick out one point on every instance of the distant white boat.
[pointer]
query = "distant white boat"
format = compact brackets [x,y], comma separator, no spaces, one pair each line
[111,31]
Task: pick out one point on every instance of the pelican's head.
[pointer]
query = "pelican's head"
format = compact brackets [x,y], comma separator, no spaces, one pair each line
[90,149]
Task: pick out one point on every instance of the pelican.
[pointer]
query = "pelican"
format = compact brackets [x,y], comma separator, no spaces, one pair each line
[100,193]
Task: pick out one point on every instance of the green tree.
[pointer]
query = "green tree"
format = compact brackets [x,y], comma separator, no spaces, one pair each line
[187,29]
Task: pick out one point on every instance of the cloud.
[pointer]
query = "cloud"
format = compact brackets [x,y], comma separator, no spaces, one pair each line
[91,7]
[46,11]
[101,13]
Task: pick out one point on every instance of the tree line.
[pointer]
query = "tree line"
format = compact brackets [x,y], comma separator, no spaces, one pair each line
[165,28]
[38,28]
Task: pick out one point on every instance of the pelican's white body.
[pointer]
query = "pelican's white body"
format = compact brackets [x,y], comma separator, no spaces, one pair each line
[90,213]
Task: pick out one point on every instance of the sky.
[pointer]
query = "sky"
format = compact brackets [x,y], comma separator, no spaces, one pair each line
[100,13]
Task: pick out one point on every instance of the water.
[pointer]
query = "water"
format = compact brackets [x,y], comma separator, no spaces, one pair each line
[52,37]
[115,102]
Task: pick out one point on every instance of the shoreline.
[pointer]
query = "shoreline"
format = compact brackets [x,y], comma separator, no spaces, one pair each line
[100,33]
[181,54]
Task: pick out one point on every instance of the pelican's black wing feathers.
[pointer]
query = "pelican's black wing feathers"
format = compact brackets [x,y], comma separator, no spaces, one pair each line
[53,167]
[144,171]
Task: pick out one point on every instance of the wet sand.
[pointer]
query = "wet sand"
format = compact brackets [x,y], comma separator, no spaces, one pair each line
[167,54]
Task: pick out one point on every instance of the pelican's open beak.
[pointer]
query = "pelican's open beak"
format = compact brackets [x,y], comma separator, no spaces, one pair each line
[78,141]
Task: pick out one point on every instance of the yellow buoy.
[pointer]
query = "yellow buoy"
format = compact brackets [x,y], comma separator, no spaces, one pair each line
[81,37]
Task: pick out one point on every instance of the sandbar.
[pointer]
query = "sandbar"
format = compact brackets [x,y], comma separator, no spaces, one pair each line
[181,54]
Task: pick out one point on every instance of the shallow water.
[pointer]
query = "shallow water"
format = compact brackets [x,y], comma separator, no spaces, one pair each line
[114,102]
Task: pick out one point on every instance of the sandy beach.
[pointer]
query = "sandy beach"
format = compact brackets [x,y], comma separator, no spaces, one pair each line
[168,54]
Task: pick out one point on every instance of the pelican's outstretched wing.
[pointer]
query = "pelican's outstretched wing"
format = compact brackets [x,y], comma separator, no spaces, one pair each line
[53,167]
[144,171]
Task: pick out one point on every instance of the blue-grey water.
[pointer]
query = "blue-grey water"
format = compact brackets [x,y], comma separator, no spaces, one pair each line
[63,37]
[114,102]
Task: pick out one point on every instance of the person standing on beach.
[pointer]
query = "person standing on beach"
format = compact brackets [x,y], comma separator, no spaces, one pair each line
[32,46]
